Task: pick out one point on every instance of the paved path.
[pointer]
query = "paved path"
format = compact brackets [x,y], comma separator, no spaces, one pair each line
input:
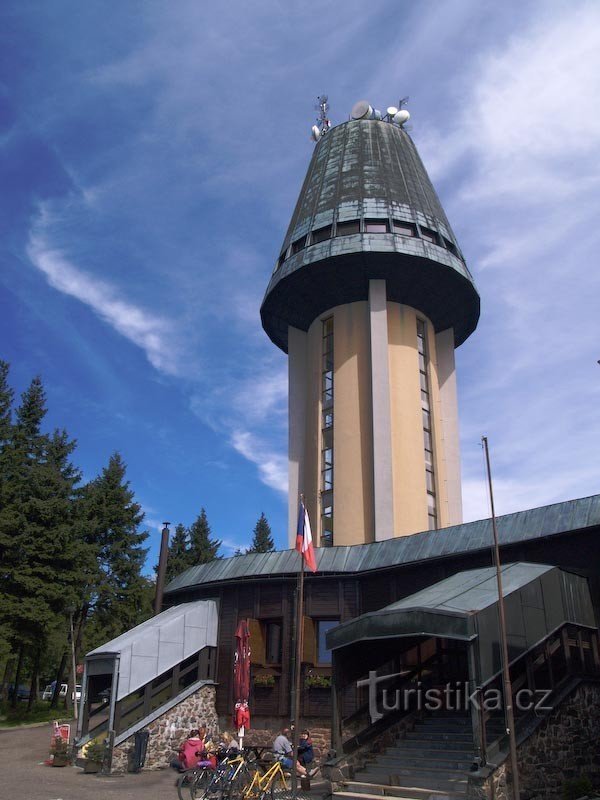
[23,777]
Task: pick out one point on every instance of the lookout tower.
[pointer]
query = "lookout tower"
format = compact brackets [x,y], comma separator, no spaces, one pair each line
[369,298]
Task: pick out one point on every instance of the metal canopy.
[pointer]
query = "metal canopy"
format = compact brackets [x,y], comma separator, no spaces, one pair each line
[158,644]
[522,526]
[538,599]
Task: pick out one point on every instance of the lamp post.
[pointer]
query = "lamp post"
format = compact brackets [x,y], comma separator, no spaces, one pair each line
[162,568]
[73,662]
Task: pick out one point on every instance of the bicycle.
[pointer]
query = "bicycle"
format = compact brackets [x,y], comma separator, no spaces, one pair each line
[227,780]
[272,783]
[192,781]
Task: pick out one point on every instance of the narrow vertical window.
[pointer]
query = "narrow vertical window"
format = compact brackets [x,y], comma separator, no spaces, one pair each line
[427,426]
[327,435]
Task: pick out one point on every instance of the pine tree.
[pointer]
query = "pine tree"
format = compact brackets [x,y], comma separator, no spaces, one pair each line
[179,556]
[116,595]
[38,547]
[262,540]
[6,397]
[202,548]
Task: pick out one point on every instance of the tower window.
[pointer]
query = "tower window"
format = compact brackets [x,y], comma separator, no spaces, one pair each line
[429,235]
[327,434]
[427,424]
[451,247]
[347,228]
[321,235]
[404,228]
[298,245]
[377,226]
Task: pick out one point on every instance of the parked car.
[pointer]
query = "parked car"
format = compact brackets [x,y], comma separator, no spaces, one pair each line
[22,692]
[49,690]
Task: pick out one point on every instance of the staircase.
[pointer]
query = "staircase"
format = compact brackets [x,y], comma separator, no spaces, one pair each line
[433,759]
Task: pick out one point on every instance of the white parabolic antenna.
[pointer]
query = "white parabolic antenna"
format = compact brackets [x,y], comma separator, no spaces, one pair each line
[361,110]
[392,111]
[315,132]
[401,117]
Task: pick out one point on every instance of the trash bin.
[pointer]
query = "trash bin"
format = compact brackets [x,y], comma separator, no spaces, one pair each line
[140,745]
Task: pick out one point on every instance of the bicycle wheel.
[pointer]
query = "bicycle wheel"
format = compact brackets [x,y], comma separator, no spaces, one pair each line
[185,782]
[238,783]
[279,789]
[199,787]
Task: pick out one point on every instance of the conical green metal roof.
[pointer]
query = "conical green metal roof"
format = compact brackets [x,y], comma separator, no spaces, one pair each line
[365,172]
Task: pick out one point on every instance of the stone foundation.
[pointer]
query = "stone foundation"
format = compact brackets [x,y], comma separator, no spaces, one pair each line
[169,730]
[562,748]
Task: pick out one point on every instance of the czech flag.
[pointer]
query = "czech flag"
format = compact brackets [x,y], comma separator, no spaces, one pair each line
[304,542]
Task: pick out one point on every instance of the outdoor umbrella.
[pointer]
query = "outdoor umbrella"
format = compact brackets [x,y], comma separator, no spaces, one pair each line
[241,678]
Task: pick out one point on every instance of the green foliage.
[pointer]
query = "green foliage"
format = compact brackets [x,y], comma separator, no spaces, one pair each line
[577,787]
[202,548]
[317,682]
[62,546]
[116,592]
[262,540]
[178,558]
[40,712]
[96,751]
[264,680]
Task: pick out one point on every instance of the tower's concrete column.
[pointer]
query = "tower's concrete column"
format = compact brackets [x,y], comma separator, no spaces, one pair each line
[444,345]
[297,381]
[383,488]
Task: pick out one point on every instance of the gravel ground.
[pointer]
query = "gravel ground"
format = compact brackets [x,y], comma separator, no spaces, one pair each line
[24,776]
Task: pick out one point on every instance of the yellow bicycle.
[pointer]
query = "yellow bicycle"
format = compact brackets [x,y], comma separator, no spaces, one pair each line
[271,783]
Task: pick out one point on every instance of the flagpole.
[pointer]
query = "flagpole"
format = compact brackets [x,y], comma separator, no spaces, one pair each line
[298,668]
[510,717]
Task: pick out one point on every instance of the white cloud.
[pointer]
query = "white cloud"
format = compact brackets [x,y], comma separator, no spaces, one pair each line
[272,466]
[143,328]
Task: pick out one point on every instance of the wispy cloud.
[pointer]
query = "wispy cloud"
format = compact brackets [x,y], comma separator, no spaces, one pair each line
[272,466]
[141,327]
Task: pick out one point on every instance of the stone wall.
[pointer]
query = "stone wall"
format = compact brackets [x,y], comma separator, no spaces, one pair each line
[264,737]
[169,730]
[562,748]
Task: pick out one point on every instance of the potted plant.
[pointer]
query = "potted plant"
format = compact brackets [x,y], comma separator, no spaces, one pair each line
[264,680]
[317,682]
[95,754]
[59,751]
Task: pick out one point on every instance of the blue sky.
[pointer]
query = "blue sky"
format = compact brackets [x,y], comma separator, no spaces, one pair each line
[150,157]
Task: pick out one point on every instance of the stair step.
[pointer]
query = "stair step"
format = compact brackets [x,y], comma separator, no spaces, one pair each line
[425,761]
[403,777]
[379,789]
[431,745]
[403,793]
[440,736]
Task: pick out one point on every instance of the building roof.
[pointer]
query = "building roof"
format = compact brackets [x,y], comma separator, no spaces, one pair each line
[361,171]
[522,526]
[538,599]
[160,642]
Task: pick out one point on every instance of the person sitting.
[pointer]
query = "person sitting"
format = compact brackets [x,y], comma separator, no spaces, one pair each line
[228,744]
[306,754]
[191,752]
[284,752]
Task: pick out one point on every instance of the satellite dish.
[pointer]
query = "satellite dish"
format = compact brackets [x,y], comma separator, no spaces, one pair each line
[315,133]
[401,117]
[361,110]
[377,114]
[392,111]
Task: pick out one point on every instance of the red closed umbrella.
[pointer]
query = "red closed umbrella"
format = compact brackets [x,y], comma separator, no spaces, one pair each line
[241,678]
[241,662]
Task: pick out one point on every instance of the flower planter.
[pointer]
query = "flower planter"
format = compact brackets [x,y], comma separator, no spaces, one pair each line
[60,761]
[92,767]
